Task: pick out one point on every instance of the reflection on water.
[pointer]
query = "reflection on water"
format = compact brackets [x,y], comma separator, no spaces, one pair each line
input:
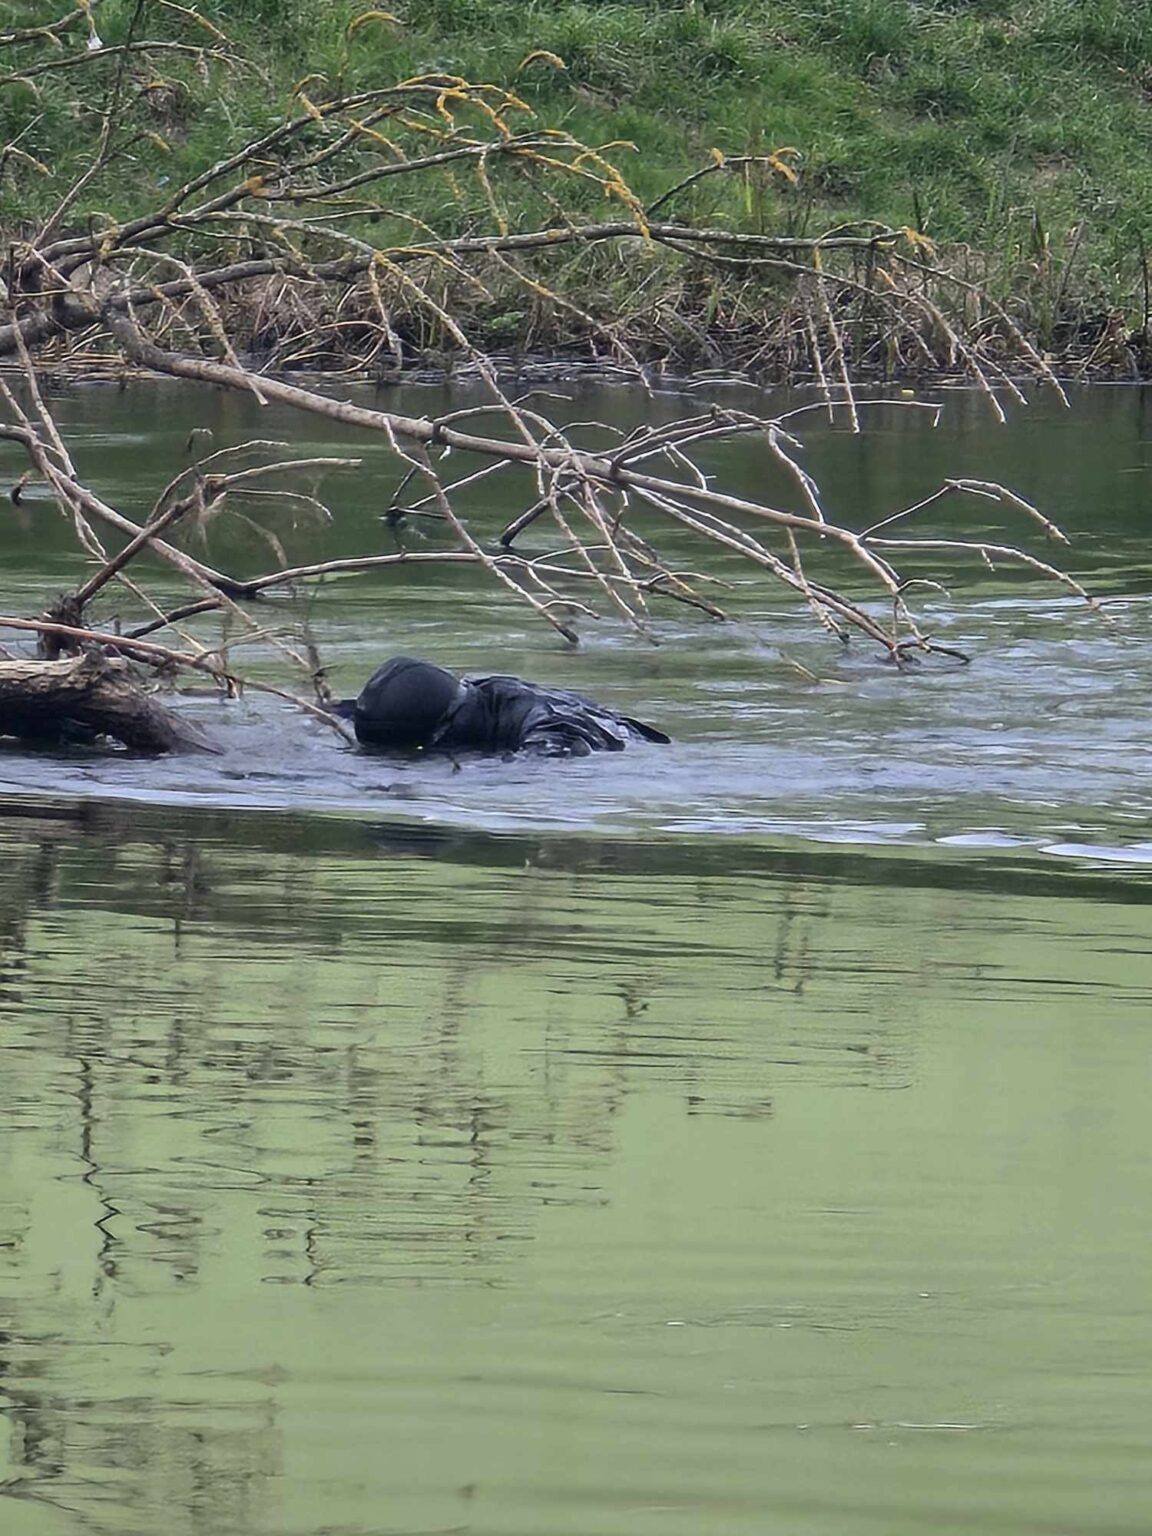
[370,1180]
[503,1150]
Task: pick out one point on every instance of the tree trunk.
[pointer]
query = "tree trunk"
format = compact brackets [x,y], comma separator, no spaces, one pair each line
[83,697]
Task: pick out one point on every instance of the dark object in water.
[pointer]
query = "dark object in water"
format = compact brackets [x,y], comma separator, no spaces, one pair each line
[408,706]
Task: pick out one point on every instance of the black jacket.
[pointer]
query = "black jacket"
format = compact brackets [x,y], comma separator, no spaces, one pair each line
[409,705]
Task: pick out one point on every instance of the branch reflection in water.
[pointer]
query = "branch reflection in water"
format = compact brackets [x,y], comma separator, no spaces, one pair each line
[355,1174]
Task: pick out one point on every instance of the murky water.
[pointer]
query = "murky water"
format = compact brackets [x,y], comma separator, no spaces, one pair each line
[747,1137]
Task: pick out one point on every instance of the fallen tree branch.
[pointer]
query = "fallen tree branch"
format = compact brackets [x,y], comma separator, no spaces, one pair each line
[82,697]
[281,252]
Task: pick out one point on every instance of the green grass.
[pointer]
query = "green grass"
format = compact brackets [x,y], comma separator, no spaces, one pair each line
[978,119]
[1007,126]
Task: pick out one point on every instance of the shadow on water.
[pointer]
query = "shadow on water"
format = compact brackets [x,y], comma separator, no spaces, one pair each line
[978,866]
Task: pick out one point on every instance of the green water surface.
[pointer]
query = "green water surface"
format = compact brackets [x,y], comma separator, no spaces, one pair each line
[748,1139]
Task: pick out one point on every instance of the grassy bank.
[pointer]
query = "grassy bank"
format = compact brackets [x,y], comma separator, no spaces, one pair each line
[1020,130]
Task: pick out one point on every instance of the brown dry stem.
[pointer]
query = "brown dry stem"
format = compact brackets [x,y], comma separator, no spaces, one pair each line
[284,250]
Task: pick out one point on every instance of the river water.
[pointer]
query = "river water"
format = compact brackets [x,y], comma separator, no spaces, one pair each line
[747,1136]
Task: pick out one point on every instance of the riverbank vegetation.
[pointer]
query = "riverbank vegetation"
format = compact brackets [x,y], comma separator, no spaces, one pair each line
[226,194]
[1017,137]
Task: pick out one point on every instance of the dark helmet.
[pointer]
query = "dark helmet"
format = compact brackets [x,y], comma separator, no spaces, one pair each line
[402,703]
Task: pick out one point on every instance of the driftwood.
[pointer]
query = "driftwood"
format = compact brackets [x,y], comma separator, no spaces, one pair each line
[84,697]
